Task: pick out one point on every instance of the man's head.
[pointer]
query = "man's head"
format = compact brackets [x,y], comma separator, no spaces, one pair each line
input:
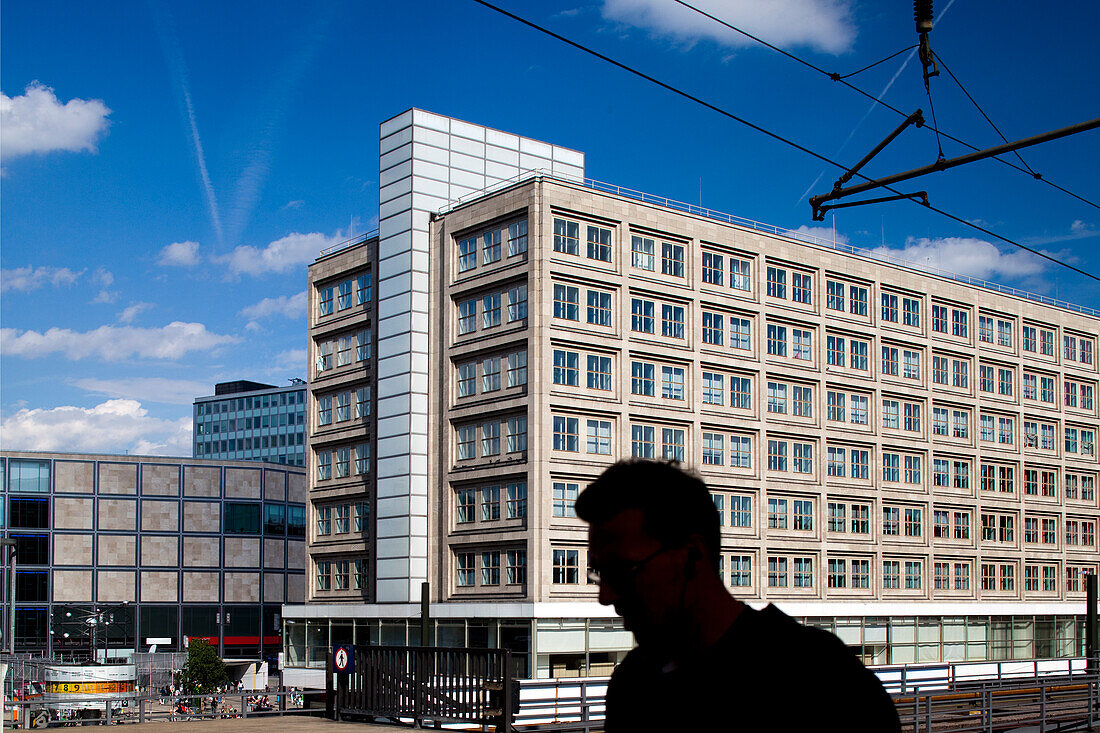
[653,530]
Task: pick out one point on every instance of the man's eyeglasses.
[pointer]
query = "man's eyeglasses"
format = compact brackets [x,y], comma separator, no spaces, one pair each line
[623,576]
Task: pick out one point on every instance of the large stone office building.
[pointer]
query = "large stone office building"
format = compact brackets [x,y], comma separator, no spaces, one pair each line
[163,547]
[907,458]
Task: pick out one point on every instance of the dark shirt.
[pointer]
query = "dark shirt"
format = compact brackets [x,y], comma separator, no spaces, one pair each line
[766,673]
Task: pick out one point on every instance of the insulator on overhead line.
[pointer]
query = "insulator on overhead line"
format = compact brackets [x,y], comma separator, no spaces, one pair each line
[922,13]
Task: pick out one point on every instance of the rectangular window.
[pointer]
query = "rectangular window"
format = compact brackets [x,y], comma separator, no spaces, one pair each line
[467,254]
[777,572]
[491,315]
[741,393]
[834,296]
[566,435]
[642,441]
[599,372]
[777,398]
[464,567]
[517,368]
[598,312]
[490,374]
[713,389]
[741,571]
[777,340]
[985,329]
[801,344]
[740,333]
[490,503]
[672,321]
[490,438]
[672,259]
[517,434]
[777,283]
[777,455]
[960,323]
[672,444]
[599,243]
[672,383]
[939,318]
[890,307]
[857,300]
[714,450]
[517,303]
[740,451]
[740,274]
[740,511]
[566,237]
[890,360]
[566,567]
[891,574]
[910,312]
[641,315]
[565,496]
[861,464]
[835,350]
[802,288]
[642,378]
[517,567]
[517,238]
[567,301]
[713,328]
[566,368]
[467,317]
[858,352]
[599,437]
[642,253]
[324,301]
[517,500]
[713,268]
[464,440]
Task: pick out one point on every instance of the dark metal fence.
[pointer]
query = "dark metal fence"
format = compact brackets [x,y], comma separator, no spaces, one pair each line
[440,684]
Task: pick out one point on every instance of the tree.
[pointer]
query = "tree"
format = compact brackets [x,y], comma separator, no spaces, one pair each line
[204,669]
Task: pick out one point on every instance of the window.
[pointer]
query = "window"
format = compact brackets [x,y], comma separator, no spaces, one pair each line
[467,317]
[672,321]
[1004,382]
[465,442]
[939,318]
[343,406]
[777,398]
[838,465]
[239,518]
[891,574]
[740,451]
[857,300]
[566,368]
[490,503]
[803,572]
[960,373]
[985,329]
[1070,347]
[834,295]
[803,457]
[713,268]
[960,423]
[890,414]
[890,307]
[324,520]
[940,420]
[1046,343]
[324,356]
[566,567]
[777,283]
[712,328]
[802,343]
[642,378]
[490,247]
[516,570]
[960,323]
[740,333]
[1030,333]
[803,401]
[891,521]
[641,315]
[517,368]
[861,464]
[672,383]
[913,522]
[599,308]
[599,372]
[713,389]
[517,434]
[491,315]
[941,576]
[324,301]
[802,288]
[890,360]
[642,252]
[777,455]
[672,444]
[913,571]
[642,441]
[672,259]
[566,435]
[1004,333]
[803,514]
[324,465]
[835,350]
[741,571]
[858,352]
[777,340]
[567,302]
[490,438]
[835,406]
[911,360]
[599,243]
[517,238]
[517,500]
[910,308]
[324,570]
[362,345]
[490,374]
[565,496]
[713,449]
[566,237]
[343,462]
[740,511]
[343,351]
[464,569]
[741,392]
[599,437]
[740,274]
[777,572]
[861,573]
[467,254]
[517,303]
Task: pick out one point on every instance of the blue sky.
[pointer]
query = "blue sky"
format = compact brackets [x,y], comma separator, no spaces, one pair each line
[169,169]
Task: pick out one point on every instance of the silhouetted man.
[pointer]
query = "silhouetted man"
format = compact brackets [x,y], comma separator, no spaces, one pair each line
[705,661]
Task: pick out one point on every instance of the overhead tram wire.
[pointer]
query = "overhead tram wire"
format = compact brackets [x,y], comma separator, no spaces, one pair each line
[769,133]
[842,79]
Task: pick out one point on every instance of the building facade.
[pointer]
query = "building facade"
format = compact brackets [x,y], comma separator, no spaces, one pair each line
[164,547]
[906,458]
[251,421]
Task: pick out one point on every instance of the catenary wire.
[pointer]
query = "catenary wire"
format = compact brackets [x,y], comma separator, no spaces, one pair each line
[764,131]
[880,61]
[982,111]
[838,78]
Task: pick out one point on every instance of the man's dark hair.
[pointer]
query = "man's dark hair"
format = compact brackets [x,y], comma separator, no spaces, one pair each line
[675,504]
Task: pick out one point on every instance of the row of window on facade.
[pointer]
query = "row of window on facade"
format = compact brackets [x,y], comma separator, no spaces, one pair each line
[349,293]
[342,519]
[342,406]
[349,460]
[340,574]
[349,348]
[785,342]
[257,422]
[841,296]
[253,403]
[208,446]
[798,571]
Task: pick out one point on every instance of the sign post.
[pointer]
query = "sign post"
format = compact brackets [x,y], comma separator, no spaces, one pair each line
[343,664]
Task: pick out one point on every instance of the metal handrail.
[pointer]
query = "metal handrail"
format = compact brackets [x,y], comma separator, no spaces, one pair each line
[357,239]
[778,231]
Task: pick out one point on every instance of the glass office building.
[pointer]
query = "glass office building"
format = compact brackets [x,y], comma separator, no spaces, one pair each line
[249,421]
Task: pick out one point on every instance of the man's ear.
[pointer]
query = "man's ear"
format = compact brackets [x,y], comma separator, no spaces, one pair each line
[695,554]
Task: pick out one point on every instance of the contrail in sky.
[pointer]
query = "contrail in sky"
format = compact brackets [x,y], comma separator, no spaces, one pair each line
[174,57]
[874,104]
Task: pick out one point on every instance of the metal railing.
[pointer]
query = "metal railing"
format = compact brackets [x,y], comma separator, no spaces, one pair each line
[347,243]
[778,231]
[909,678]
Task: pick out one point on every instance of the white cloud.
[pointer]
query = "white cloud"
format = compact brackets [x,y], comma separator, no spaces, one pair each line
[965,256]
[293,360]
[37,122]
[282,255]
[113,343]
[1077,230]
[130,312]
[111,426]
[296,204]
[813,234]
[103,277]
[823,25]
[290,306]
[180,254]
[106,296]
[148,389]
[25,279]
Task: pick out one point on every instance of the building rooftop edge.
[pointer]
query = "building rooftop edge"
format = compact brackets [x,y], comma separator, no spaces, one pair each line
[16,453]
[760,227]
[474,124]
[268,390]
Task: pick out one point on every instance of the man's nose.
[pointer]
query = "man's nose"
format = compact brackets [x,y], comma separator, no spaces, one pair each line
[607,594]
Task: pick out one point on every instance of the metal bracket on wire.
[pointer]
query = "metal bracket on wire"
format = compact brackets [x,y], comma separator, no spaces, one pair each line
[919,196]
